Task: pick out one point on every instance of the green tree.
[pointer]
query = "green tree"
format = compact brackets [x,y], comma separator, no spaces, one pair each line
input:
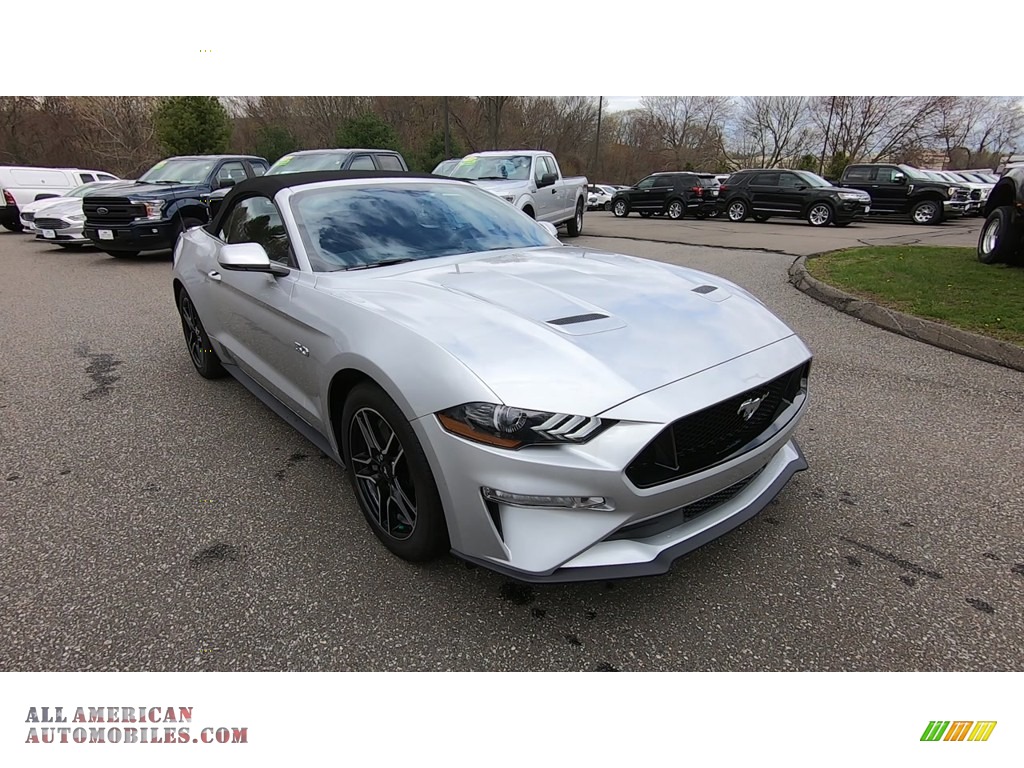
[192,125]
[836,165]
[428,158]
[807,163]
[367,131]
[274,142]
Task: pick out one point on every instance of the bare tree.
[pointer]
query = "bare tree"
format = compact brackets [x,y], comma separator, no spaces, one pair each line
[690,128]
[873,127]
[493,106]
[121,133]
[773,129]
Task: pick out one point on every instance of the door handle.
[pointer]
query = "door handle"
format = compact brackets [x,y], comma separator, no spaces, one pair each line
[213,274]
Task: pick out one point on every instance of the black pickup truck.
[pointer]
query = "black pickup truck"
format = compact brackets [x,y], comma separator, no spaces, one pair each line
[900,190]
[149,214]
[1002,238]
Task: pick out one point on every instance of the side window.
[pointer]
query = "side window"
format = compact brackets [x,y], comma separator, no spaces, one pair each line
[647,183]
[885,174]
[258,168]
[664,180]
[540,167]
[257,220]
[232,171]
[105,177]
[790,181]
[390,163]
[858,173]
[363,163]
[87,178]
[766,180]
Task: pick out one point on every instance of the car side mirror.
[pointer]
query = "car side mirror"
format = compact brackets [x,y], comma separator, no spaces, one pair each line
[899,178]
[248,257]
[225,183]
[550,228]
[547,180]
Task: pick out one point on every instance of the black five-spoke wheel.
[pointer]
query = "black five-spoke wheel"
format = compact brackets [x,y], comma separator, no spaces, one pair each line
[382,474]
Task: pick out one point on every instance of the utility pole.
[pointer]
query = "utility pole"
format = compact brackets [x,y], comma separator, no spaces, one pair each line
[597,140]
[828,128]
[447,131]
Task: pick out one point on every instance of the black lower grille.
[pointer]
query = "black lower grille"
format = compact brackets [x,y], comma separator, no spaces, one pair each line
[111,211]
[669,520]
[51,224]
[706,438]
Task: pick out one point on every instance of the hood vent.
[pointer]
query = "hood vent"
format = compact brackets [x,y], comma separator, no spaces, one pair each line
[705,288]
[572,320]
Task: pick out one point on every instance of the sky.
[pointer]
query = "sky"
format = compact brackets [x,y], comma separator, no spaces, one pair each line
[620,103]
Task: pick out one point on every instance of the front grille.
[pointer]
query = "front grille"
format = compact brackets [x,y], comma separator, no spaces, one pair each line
[975,194]
[51,224]
[961,195]
[647,528]
[28,216]
[709,437]
[116,211]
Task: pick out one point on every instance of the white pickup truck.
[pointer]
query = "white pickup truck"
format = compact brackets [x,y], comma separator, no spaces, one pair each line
[530,180]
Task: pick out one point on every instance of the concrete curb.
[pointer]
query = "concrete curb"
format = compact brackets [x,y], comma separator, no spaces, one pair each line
[953,339]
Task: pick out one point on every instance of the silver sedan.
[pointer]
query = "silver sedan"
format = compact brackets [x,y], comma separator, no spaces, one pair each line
[554,413]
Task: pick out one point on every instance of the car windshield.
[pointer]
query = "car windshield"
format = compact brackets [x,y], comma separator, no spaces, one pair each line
[183,170]
[444,168]
[345,226]
[813,179]
[515,167]
[314,161]
[914,173]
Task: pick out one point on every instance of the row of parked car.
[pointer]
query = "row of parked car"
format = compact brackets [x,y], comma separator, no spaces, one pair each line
[865,189]
[73,208]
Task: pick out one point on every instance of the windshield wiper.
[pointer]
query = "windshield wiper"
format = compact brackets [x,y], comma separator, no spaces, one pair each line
[382,263]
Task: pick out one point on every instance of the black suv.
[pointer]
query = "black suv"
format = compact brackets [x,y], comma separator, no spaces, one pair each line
[901,190]
[149,214]
[766,192]
[672,193]
[341,159]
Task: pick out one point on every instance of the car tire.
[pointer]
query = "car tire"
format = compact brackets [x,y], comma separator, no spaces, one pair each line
[398,467]
[820,215]
[621,209]
[676,210]
[997,243]
[608,206]
[200,351]
[761,218]
[574,226]
[927,213]
[737,210]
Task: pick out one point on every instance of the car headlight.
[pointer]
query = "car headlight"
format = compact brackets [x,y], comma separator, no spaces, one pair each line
[851,196]
[951,191]
[77,217]
[154,208]
[502,426]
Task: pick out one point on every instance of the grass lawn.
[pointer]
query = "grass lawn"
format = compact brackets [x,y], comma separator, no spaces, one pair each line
[948,285]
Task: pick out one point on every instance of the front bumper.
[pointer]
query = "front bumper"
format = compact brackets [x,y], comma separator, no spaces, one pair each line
[852,210]
[955,207]
[139,236]
[647,530]
[72,234]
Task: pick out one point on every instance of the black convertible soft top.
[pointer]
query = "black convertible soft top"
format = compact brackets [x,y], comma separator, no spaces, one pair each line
[271,185]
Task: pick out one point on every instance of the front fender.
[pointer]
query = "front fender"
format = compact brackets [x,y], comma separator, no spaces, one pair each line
[187,208]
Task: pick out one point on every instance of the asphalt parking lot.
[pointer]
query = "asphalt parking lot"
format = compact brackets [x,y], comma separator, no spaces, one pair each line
[152,520]
[789,236]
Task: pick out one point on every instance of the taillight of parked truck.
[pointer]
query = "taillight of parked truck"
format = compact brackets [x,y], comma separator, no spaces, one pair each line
[9,198]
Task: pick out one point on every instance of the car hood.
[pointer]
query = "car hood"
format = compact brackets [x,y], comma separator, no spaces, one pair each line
[68,206]
[145,191]
[567,329]
[39,205]
[501,186]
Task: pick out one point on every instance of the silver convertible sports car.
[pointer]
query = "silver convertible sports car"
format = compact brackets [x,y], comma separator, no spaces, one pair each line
[554,413]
